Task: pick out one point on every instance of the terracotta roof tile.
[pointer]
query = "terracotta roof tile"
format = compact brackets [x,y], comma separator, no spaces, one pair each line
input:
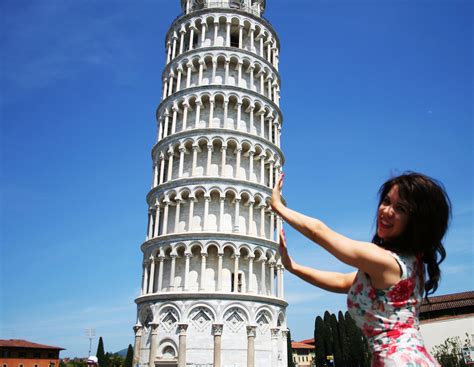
[308,341]
[448,301]
[299,345]
[19,343]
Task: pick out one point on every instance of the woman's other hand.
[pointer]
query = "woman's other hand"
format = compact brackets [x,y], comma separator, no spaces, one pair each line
[286,260]
[276,202]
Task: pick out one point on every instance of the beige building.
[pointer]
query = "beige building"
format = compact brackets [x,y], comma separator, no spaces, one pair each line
[303,353]
[447,316]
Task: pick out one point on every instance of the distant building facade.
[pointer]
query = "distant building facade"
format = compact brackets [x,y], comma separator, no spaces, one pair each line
[450,315]
[23,353]
[303,353]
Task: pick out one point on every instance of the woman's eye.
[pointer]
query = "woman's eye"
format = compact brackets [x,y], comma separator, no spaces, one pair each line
[401,209]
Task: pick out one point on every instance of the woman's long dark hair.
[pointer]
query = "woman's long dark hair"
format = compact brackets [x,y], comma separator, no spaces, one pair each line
[429,212]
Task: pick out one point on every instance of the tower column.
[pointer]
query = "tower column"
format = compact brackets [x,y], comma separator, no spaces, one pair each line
[263,286]
[219,271]
[195,151]
[226,75]
[238,153]
[167,120]
[186,270]
[198,111]
[250,221]
[209,159]
[227,33]
[217,332]
[221,214]
[226,112]
[161,259]
[162,168]
[145,277]
[153,343]
[207,199]
[191,213]
[191,36]
[172,271]
[170,164]
[202,286]
[137,344]
[152,275]
[262,168]
[175,117]
[182,345]
[176,217]
[251,346]
[157,220]
[250,286]
[211,111]
[189,74]
[182,150]
[223,159]
[203,33]
[262,220]
[272,277]
[236,273]
[185,114]
[216,31]
[164,230]
[237,215]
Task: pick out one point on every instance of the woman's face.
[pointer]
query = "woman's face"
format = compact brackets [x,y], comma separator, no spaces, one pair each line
[392,216]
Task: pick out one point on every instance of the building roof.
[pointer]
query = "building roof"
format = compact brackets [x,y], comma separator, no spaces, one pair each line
[300,345]
[448,301]
[20,343]
[308,341]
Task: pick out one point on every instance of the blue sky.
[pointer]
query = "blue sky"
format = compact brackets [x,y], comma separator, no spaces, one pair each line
[369,89]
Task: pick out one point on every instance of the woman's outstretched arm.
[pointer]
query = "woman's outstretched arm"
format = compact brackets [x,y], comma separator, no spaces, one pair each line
[368,257]
[328,280]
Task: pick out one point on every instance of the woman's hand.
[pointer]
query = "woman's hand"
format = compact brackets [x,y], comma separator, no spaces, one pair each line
[286,260]
[276,202]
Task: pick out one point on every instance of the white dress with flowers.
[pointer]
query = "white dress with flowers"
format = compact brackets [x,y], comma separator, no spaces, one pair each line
[389,318]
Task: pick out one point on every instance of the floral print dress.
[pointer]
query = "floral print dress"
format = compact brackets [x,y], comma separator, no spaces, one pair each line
[389,318]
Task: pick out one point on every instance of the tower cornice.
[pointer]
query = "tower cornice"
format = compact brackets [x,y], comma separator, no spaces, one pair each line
[210,11]
[207,296]
[222,89]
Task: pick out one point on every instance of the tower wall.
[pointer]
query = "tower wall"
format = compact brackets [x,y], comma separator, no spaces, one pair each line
[212,287]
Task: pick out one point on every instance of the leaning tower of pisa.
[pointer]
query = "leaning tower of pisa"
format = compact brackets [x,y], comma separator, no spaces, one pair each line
[212,286]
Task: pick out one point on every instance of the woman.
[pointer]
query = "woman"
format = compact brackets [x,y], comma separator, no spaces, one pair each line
[385,294]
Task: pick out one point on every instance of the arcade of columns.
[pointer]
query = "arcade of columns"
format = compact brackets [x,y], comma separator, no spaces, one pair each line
[212,278]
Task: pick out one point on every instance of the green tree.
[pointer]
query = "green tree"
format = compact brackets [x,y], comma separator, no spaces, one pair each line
[319,337]
[447,353]
[342,339]
[328,342]
[101,356]
[336,346]
[129,357]
[289,350]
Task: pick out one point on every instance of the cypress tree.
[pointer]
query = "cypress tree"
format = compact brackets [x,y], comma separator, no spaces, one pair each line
[319,337]
[351,334]
[129,357]
[289,350]
[336,347]
[328,342]
[342,338]
[101,356]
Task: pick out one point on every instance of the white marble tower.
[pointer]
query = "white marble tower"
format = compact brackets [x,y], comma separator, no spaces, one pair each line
[212,287]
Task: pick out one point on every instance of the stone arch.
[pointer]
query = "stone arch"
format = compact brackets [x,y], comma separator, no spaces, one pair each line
[169,316]
[201,316]
[235,317]
[167,349]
